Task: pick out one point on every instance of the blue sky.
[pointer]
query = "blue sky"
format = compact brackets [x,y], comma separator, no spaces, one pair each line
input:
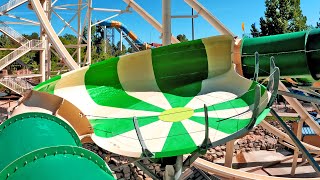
[231,12]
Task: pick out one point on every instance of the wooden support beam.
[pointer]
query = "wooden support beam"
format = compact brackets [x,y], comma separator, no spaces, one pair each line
[283,136]
[7,49]
[229,153]
[296,105]
[296,150]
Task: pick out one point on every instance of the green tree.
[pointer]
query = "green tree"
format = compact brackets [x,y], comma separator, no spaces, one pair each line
[6,42]
[116,49]
[32,58]
[182,38]
[69,39]
[254,31]
[281,16]
[33,35]
[124,48]
[298,21]
[130,50]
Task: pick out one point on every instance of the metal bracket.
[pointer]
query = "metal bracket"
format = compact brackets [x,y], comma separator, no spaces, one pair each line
[206,141]
[273,82]
[256,70]
[145,151]
[205,144]
[255,111]
[190,159]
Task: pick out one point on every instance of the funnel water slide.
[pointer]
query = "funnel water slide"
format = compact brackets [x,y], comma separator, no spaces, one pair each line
[40,146]
[152,103]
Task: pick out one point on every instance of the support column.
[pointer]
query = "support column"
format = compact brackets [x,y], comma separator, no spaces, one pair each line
[296,149]
[48,48]
[79,33]
[148,18]
[89,44]
[166,22]
[169,173]
[209,17]
[112,36]
[229,153]
[42,64]
[173,172]
[44,59]
[121,40]
[178,167]
[105,38]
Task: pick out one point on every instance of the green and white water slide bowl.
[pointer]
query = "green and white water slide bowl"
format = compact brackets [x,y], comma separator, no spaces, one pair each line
[165,89]
[40,146]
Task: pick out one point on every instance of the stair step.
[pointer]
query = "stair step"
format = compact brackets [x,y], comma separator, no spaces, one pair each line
[17,85]
[11,5]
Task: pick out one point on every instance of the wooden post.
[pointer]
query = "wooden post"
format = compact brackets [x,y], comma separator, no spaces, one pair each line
[296,150]
[229,153]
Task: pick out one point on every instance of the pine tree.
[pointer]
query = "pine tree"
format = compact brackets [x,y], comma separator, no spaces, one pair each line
[254,31]
[281,16]
[182,38]
[299,21]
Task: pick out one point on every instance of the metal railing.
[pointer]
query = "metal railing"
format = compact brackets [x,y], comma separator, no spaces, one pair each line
[12,85]
[17,85]
[22,50]
[11,5]
[12,33]
[23,83]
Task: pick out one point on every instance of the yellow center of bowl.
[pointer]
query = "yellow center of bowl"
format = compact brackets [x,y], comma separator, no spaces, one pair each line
[176,114]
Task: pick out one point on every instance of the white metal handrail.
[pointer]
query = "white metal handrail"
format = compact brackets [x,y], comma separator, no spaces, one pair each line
[12,85]
[16,84]
[22,82]
[11,5]
[22,50]
[11,32]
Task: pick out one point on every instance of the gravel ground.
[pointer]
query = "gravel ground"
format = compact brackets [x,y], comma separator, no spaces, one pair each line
[255,140]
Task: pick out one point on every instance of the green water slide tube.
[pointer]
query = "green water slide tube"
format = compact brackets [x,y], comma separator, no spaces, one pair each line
[152,103]
[296,54]
[37,146]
